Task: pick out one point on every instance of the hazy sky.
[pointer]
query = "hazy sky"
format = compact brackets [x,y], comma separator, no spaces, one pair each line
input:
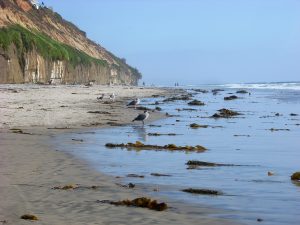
[195,41]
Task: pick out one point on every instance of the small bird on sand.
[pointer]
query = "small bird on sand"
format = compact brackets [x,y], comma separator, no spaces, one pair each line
[112,97]
[100,97]
[134,103]
[142,117]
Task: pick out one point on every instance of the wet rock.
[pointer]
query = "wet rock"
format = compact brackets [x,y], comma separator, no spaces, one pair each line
[29,217]
[156,103]
[143,108]
[259,220]
[231,97]
[170,147]
[178,98]
[278,114]
[217,90]
[140,202]
[202,191]
[293,114]
[242,92]
[186,109]
[225,113]
[160,175]
[195,126]
[158,108]
[196,102]
[135,175]
[296,176]
[203,163]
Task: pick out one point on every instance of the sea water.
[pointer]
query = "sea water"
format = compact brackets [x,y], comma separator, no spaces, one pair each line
[246,140]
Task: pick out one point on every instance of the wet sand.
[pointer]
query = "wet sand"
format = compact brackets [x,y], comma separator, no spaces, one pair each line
[30,165]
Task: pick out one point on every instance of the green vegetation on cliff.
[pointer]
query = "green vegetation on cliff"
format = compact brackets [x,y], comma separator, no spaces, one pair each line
[25,41]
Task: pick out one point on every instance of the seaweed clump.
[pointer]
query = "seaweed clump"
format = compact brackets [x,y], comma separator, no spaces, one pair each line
[195,126]
[171,147]
[29,217]
[296,176]
[178,98]
[140,202]
[196,102]
[202,191]
[225,113]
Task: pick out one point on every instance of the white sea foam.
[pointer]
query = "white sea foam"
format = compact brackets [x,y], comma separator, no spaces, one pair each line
[273,86]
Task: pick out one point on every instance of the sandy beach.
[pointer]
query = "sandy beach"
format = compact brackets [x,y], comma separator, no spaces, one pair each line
[31,166]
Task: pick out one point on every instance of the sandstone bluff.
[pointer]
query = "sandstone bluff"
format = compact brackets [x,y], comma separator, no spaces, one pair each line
[38,46]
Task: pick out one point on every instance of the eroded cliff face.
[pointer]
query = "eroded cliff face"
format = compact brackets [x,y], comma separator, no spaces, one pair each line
[31,66]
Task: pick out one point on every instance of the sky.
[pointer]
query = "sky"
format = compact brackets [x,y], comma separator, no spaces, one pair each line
[195,41]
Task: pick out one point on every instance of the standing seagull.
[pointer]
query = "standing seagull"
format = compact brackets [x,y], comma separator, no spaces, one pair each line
[135,102]
[142,117]
[112,97]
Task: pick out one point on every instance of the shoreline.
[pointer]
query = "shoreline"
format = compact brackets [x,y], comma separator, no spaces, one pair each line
[31,167]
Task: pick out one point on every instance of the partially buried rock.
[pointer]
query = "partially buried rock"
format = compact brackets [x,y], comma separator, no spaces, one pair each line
[232,97]
[202,191]
[296,176]
[196,102]
[29,217]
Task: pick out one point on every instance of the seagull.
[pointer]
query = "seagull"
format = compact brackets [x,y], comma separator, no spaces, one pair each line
[112,97]
[142,117]
[135,102]
[100,97]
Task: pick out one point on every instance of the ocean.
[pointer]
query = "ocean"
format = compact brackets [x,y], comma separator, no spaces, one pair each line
[264,138]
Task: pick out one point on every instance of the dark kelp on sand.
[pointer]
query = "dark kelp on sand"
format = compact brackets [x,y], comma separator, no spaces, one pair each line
[170,147]
[139,202]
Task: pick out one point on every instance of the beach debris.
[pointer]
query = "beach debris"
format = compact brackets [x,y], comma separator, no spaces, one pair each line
[231,97]
[142,117]
[193,164]
[241,135]
[79,140]
[160,134]
[270,173]
[195,126]
[160,175]
[74,187]
[196,102]
[178,98]
[293,114]
[276,129]
[135,175]
[100,112]
[202,191]
[142,202]
[19,131]
[225,113]
[296,176]
[171,147]
[29,217]
[242,92]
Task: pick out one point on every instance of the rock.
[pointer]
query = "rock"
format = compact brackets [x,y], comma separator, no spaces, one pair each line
[135,175]
[160,175]
[196,102]
[242,92]
[225,113]
[232,97]
[29,217]
[202,191]
[296,176]
[158,108]
[178,98]
[259,220]
[200,90]
[293,114]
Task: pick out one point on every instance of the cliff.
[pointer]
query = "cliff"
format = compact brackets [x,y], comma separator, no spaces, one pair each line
[38,46]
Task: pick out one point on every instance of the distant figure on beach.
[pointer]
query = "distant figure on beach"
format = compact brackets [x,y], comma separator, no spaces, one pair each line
[142,117]
[134,103]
